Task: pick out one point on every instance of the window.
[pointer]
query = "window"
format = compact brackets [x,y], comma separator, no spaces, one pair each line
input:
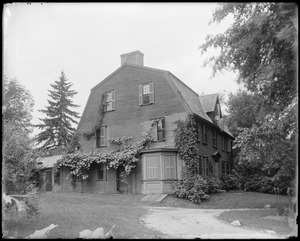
[226,167]
[229,145]
[204,134]
[110,101]
[223,143]
[203,166]
[101,137]
[146,93]
[57,177]
[161,129]
[100,172]
[152,170]
[198,131]
[158,129]
[214,139]
[170,166]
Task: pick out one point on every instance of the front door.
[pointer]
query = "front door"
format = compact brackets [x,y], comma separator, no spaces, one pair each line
[121,185]
[49,181]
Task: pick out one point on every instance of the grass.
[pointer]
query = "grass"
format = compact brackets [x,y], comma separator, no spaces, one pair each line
[255,219]
[230,200]
[74,212]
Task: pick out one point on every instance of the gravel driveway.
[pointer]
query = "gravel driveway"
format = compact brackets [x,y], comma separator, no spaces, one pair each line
[198,223]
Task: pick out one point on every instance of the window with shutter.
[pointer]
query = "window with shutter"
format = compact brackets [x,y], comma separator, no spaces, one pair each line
[214,139]
[161,129]
[101,137]
[204,134]
[170,166]
[152,167]
[110,100]
[146,94]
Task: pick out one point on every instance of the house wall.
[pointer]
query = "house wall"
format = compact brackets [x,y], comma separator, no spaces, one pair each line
[208,149]
[129,118]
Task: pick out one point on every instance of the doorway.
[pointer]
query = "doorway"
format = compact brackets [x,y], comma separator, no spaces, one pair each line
[49,181]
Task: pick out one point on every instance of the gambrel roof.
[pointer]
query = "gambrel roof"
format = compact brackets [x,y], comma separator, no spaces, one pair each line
[191,100]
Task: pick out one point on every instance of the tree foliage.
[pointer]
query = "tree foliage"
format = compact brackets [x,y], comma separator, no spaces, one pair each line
[261,45]
[17,104]
[17,162]
[57,130]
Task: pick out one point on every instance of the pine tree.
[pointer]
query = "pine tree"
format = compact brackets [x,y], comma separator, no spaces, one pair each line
[57,130]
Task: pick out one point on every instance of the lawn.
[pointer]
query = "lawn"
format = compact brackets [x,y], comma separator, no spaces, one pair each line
[74,212]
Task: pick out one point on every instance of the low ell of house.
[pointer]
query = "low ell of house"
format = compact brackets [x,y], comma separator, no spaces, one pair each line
[138,98]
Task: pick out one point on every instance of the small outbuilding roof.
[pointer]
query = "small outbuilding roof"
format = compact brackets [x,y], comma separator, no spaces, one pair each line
[48,162]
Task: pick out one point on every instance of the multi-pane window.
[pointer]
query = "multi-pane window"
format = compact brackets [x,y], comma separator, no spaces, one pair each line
[203,166]
[158,129]
[101,136]
[214,139]
[204,134]
[223,143]
[110,101]
[198,131]
[152,167]
[170,166]
[146,93]
[100,172]
[226,167]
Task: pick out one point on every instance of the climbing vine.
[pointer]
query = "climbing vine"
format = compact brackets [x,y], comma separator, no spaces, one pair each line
[99,120]
[127,155]
[191,186]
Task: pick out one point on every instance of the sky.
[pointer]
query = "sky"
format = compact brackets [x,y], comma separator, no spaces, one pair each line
[85,40]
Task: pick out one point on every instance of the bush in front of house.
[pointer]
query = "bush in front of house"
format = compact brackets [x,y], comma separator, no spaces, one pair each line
[213,185]
[194,189]
[258,183]
[230,181]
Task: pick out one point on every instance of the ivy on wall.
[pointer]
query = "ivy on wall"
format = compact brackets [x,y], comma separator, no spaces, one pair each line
[127,155]
[99,120]
[191,186]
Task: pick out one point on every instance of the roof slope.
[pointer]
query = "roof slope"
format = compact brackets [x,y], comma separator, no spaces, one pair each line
[209,101]
[190,97]
[48,162]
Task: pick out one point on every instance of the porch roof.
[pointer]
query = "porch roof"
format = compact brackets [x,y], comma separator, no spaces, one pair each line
[49,161]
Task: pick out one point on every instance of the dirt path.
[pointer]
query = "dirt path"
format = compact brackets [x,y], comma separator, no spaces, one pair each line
[198,223]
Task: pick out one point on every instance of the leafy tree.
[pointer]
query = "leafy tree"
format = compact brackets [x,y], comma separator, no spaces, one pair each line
[243,106]
[17,162]
[17,104]
[57,130]
[261,45]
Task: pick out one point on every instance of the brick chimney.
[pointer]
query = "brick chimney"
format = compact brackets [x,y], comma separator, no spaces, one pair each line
[135,57]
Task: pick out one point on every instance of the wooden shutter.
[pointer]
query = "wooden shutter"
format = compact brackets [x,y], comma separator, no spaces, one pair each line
[152,167]
[113,104]
[103,136]
[151,94]
[140,94]
[170,168]
[163,129]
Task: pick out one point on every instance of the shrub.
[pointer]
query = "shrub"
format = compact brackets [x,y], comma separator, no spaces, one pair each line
[213,185]
[194,189]
[258,183]
[230,182]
